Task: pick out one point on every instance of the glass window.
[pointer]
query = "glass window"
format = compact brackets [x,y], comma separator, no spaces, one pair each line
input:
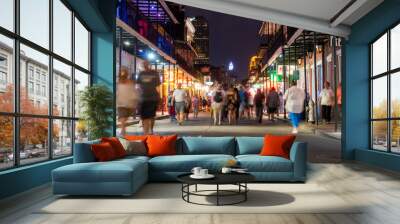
[62,29]
[81,45]
[62,71]
[379,98]
[81,131]
[395,136]
[62,138]
[6,71]
[81,82]
[7,14]
[6,142]
[33,140]
[379,135]
[35,21]
[379,56]
[40,62]
[395,47]
[395,95]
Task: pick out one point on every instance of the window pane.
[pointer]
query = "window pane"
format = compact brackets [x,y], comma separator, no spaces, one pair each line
[7,14]
[6,74]
[81,45]
[33,139]
[395,138]
[35,21]
[379,98]
[62,29]
[62,138]
[62,89]
[81,131]
[395,95]
[6,142]
[34,97]
[81,82]
[395,47]
[379,55]
[379,135]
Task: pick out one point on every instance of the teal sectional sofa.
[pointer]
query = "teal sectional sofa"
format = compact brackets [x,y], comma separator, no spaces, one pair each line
[125,176]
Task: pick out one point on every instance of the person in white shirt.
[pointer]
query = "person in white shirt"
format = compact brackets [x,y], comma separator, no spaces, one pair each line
[218,99]
[327,100]
[179,97]
[294,97]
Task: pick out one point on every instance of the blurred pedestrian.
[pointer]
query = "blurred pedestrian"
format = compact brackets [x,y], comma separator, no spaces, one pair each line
[171,106]
[272,103]
[294,98]
[179,97]
[127,99]
[149,82]
[188,105]
[259,100]
[231,104]
[327,100]
[218,98]
[195,106]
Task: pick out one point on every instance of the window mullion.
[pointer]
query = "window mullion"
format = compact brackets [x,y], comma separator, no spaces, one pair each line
[389,101]
[16,69]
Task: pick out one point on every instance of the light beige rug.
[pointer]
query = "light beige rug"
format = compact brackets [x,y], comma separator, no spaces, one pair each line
[166,198]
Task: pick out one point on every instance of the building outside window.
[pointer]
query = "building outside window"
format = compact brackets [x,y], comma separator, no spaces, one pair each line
[385,96]
[54,132]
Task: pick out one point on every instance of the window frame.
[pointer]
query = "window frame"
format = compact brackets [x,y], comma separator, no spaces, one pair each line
[16,113]
[388,74]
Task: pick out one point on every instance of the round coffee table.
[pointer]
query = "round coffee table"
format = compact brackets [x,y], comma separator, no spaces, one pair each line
[238,179]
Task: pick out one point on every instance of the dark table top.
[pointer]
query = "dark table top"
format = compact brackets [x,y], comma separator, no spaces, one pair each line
[220,178]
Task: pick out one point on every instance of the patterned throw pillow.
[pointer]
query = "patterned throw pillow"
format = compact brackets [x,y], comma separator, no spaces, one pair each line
[136,147]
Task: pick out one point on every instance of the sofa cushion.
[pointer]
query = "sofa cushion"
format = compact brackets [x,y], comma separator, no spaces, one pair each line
[112,171]
[277,145]
[185,163]
[249,145]
[208,145]
[257,163]
[161,145]
[83,152]
[104,152]
[116,145]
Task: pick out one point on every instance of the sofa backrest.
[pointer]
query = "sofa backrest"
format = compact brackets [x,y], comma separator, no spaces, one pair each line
[249,145]
[206,145]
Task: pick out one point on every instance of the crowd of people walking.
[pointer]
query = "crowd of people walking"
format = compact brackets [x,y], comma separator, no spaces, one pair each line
[226,104]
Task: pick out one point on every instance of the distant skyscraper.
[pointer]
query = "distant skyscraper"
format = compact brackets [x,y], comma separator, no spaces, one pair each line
[201,41]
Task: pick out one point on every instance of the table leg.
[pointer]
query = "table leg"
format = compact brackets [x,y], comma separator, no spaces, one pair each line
[245,193]
[217,194]
[196,187]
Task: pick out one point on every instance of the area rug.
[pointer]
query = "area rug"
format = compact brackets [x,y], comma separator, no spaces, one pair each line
[166,198]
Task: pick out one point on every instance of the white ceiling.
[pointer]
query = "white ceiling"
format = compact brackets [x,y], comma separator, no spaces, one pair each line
[314,15]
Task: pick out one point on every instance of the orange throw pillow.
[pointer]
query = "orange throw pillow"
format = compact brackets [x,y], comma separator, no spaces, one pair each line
[103,152]
[116,145]
[277,145]
[161,145]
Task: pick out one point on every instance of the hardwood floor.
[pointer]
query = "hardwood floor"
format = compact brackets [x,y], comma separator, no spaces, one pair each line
[376,191]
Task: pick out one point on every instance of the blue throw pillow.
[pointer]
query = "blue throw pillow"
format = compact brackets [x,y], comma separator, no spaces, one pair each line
[249,145]
[208,145]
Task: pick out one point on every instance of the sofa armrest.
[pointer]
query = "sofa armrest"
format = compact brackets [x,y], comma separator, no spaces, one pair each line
[83,152]
[298,155]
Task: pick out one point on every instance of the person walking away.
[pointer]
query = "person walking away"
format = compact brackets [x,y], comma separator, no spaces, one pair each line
[250,104]
[259,100]
[149,82]
[179,98]
[217,104]
[195,106]
[171,106]
[327,100]
[188,105]
[243,98]
[272,103]
[204,103]
[294,97]
[237,103]
[281,104]
[231,104]
[127,99]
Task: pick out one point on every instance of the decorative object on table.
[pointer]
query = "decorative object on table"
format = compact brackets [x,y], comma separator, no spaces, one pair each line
[231,163]
[230,170]
[236,196]
[200,173]
[96,102]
